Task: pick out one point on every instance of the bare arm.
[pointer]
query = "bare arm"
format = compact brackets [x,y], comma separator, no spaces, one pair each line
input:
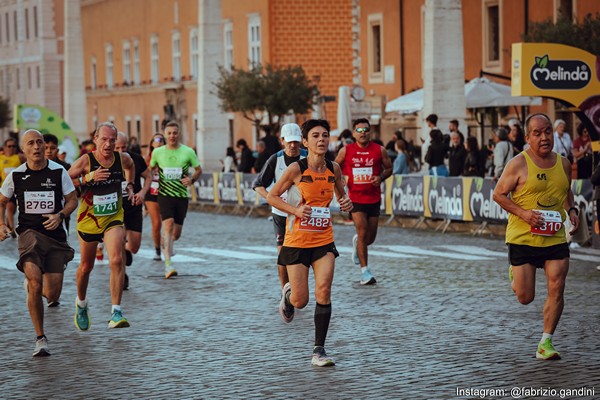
[290,175]
[261,191]
[139,196]
[387,168]
[79,168]
[189,181]
[55,220]
[514,174]
[340,190]
[341,156]
[570,199]
[4,231]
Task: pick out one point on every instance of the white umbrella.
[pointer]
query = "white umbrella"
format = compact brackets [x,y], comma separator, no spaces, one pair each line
[479,93]
[344,115]
[407,104]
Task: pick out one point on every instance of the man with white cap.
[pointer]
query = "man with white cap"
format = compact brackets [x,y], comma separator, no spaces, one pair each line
[291,137]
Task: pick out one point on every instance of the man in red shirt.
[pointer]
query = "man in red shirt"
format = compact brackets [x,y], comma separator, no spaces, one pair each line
[366,164]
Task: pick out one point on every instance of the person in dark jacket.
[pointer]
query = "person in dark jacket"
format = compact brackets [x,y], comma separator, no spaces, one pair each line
[247,158]
[474,162]
[436,153]
[456,155]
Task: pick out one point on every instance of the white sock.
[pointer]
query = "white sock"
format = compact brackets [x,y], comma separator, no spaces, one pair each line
[363,269]
[81,303]
[546,336]
[116,307]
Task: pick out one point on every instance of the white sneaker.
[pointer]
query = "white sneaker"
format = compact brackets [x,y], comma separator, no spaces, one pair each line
[41,348]
[169,270]
[598,267]
[355,250]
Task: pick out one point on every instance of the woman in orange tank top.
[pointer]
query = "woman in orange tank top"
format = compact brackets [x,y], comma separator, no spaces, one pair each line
[310,183]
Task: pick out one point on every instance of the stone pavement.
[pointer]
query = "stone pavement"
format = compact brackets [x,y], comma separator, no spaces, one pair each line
[441,317]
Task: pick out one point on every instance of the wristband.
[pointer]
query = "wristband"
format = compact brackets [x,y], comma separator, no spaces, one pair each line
[89,177]
[575,209]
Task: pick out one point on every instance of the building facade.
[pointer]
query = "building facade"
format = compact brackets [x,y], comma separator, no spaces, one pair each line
[31,53]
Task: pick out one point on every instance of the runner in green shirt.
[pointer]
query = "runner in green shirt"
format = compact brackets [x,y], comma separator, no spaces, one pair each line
[175,162]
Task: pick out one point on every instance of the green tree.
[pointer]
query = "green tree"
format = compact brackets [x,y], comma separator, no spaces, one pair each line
[585,36]
[270,91]
[4,112]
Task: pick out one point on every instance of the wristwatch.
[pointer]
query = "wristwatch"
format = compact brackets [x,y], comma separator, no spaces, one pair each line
[61,215]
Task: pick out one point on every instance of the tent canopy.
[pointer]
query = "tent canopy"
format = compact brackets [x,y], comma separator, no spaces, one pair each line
[479,93]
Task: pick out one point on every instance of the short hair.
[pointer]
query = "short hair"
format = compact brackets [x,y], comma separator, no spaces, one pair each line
[454,121]
[241,143]
[122,135]
[501,133]
[107,124]
[558,122]
[433,118]
[312,123]
[50,138]
[580,129]
[10,139]
[360,121]
[535,115]
[172,123]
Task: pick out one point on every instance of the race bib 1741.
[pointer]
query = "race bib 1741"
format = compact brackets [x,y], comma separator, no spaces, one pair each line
[107,204]
[320,220]
[39,202]
[552,223]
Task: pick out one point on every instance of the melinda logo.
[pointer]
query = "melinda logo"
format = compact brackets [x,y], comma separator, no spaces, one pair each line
[559,74]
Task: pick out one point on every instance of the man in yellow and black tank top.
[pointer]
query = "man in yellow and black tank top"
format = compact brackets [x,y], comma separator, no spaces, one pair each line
[535,189]
[100,218]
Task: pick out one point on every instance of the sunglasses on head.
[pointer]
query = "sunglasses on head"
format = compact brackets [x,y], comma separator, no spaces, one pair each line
[361,130]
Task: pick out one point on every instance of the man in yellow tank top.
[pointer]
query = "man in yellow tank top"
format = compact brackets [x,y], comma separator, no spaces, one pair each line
[539,184]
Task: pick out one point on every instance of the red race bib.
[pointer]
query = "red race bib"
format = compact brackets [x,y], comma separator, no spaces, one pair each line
[552,223]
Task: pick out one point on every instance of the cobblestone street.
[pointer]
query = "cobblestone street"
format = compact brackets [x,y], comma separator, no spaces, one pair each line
[442,316]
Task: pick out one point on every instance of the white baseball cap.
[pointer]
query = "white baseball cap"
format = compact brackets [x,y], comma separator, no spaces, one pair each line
[291,133]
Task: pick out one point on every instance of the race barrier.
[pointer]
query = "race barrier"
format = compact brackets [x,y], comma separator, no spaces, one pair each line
[439,198]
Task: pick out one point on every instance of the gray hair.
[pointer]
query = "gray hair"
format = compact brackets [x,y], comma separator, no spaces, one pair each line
[25,134]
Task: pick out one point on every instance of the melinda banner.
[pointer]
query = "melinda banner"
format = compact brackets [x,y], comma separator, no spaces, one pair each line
[560,72]
[458,199]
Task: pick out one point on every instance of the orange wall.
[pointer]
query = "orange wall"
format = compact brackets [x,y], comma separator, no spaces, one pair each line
[114,21]
[323,46]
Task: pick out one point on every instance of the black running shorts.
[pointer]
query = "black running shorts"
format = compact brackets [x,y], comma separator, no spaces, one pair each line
[173,207]
[279,224]
[133,218]
[372,210]
[295,255]
[519,254]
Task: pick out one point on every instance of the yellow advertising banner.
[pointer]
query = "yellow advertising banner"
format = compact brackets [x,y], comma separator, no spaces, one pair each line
[558,71]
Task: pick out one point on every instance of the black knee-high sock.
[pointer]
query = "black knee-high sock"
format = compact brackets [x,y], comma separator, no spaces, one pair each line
[322,317]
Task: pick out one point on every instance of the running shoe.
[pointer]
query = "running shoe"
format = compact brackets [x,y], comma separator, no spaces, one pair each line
[117,320]
[128,258]
[169,270]
[286,310]
[367,278]
[126,282]
[52,304]
[320,358]
[82,317]
[41,348]
[157,255]
[510,273]
[546,351]
[355,250]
